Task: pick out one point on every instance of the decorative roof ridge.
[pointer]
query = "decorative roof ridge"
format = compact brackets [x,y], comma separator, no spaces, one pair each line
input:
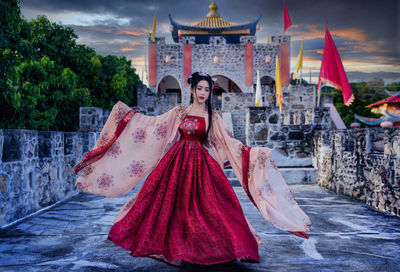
[389,99]
[213,19]
[195,27]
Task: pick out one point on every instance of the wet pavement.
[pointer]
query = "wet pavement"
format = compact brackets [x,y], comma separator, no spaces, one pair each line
[345,236]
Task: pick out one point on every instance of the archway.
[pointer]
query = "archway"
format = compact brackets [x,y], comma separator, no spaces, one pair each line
[267,83]
[169,84]
[223,84]
[267,87]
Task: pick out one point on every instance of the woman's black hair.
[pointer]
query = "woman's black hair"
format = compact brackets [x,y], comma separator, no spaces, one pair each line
[193,80]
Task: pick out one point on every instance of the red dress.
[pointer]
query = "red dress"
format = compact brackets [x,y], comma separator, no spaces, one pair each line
[187,211]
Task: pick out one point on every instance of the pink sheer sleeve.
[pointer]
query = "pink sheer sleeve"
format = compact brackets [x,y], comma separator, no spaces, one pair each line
[129,147]
[262,181]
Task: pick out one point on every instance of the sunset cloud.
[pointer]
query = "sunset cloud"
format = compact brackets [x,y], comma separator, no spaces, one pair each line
[368,44]
[133,32]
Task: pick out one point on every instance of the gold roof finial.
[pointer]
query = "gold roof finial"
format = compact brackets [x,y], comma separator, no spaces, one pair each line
[213,20]
[213,10]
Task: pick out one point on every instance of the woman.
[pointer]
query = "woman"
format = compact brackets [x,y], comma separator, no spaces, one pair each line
[186,210]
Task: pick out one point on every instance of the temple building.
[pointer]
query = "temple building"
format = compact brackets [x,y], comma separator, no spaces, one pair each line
[389,108]
[213,25]
[225,50]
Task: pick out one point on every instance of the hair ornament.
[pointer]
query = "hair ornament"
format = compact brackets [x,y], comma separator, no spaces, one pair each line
[203,74]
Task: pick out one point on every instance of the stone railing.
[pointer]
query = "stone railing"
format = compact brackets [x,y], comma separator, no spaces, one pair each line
[298,107]
[292,138]
[155,103]
[362,163]
[36,169]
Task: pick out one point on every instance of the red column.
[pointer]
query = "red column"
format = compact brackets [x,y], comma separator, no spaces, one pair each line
[248,53]
[152,64]
[285,63]
[187,61]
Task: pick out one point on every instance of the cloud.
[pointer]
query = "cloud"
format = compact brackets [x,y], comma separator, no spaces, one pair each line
[366,32]
[133,32]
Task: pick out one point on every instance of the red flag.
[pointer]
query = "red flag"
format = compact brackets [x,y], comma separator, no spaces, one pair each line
[286,18]
[332,70]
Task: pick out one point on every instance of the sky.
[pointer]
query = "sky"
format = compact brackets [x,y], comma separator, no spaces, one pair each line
[366,32]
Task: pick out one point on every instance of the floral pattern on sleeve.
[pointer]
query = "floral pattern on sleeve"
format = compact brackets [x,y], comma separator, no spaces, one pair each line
[136,168]
[213,141]
[84,188]
[129,204]
[102,140]
[105,181]
[87,170]
[250,172]
[229,132]
[114,150]
[120,114]
[179,110]
[262,158]
[139,136]
[161,130]
[273,164]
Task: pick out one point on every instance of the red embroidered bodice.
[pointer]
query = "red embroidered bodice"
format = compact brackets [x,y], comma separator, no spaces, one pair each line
[192,128]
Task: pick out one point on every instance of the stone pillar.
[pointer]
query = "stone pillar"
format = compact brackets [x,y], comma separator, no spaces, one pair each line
[285,62]
[249,63]
[187,62]
[152,64]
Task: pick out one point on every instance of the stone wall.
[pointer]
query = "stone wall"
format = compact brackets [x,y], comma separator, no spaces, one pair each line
[236,104]
[92,118]
[231,60]
[362,163]
[297,108]
[36,169]
[149,103]
[155,104]
[288,133]
[292,142]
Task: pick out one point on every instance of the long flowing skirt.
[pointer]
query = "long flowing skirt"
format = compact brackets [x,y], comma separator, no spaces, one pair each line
[186,211]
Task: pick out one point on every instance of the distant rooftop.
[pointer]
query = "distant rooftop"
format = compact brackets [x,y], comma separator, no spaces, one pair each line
[387,100]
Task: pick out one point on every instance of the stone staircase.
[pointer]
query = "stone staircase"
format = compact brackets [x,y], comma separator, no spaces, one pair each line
[292,175]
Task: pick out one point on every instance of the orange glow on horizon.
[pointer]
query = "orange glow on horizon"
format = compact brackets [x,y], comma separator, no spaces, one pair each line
[126,49]
[133,33]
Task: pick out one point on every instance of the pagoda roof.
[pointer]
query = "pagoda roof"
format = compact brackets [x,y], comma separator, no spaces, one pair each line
[392,93]
[387,100]
[370,121]
[213,24]
[376,121]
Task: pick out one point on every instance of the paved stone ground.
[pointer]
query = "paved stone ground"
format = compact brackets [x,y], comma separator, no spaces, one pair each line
[345,236]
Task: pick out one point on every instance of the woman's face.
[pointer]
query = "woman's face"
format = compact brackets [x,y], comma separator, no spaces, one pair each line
[202,92]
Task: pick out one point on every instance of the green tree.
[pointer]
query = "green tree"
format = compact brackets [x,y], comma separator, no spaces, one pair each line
[114,81]
[393,87]
[10,39]
[365,93]
[51,40]
[46,76]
